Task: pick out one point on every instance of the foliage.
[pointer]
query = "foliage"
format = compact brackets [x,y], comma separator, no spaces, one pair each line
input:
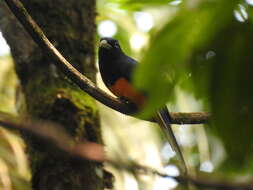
[203,49]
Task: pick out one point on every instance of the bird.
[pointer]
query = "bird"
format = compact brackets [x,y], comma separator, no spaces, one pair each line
[116,69]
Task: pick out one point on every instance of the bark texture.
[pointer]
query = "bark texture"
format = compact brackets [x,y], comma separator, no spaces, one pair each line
[49,95]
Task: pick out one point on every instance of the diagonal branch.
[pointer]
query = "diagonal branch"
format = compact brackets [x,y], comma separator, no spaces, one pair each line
[54,135]
[198,182]
[42,41]
[80,80]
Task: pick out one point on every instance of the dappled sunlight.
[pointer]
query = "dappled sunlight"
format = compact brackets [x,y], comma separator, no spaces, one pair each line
[144,21]
[130,182]
[167,183]
[166,152]
[8,84]
[241,14]
[107,28]
[206,166]
[137,41]
[250,2]
[4,48]
[175,2]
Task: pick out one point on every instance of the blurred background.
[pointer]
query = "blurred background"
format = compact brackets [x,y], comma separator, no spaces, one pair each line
[194,56]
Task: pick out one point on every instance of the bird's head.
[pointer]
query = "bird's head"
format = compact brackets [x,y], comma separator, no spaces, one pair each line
[109,45]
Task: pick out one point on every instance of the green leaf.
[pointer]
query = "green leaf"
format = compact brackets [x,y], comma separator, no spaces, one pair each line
[166,60]
[231,92]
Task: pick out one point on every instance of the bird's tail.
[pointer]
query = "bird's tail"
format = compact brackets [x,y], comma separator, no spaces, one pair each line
[164,120]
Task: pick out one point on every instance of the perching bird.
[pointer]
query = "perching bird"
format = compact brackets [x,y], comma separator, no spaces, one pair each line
[116,69]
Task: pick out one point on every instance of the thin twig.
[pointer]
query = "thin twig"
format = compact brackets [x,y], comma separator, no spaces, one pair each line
[202,183]
[84,83]
[198,182]
[54,135]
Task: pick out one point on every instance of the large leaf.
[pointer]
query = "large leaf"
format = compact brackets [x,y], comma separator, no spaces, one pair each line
[232,92]
[166,60]
[222,73]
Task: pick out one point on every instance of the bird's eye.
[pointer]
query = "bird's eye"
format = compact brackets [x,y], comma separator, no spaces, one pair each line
[116,45]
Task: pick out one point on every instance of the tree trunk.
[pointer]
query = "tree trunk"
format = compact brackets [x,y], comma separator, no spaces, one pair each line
[49,95]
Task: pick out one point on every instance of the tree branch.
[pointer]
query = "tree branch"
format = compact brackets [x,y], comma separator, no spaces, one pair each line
[198,182]
[54,135]
[80,80]
[189,118]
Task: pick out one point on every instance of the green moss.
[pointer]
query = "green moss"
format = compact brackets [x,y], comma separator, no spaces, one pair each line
[83,100]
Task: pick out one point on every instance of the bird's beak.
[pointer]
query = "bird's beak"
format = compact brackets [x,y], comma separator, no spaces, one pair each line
[105,44]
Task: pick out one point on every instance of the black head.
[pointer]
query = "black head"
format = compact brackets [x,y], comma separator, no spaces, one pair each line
[109,46]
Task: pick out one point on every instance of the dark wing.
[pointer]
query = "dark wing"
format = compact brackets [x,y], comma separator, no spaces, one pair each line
[127,67]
